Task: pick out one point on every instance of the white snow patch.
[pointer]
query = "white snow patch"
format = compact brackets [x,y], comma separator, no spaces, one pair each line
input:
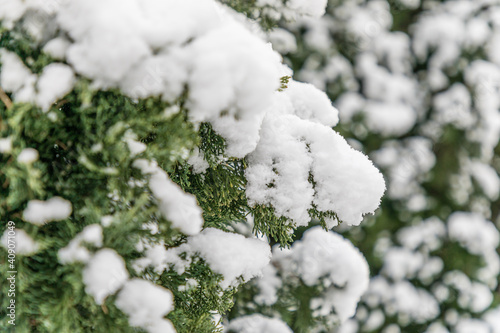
[75,251]
[146,304]
[257,323]
[40,212]
[327,258]
[55,82]
[104,274]
[23,243]
[231,255]
[178,207]
[28,156]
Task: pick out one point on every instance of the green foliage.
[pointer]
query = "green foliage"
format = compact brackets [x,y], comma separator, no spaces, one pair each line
[194,305]
[84,157]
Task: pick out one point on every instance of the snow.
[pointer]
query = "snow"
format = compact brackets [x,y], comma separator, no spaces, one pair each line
[155,256]
[5,145]
[416,303]
[231,72]
[235,72]
[11,11]
[477,32]
[472,296]
[180,208]
[410,4]
[146,304]
[402,298]
[135,147]
[401,263]
[216,85]
[310,103]
[454,106]
[57,48]
[106,220]
[24,244]
[428,233]
[163,74]
[74,251]
[389,119]
[15,77]
[315,8]
[161,326]
[104,274]
[55,82]
[297,142]
[437,327]
[493,48]
[479,237]
[242,84]
[197,160]
[40,212]
[190,284]
[268,285]
[408,160]
[329,259]
[468,325]
[350,326]
[292,10]
[472,231]
[445,33]
[487,178]
[28,156]
[492,317]
[374,321]
[282,40]
[95,24]
[430,269]
[231,255]
[257,323]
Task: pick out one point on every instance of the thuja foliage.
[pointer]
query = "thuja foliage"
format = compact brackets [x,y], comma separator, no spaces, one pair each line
[84,158]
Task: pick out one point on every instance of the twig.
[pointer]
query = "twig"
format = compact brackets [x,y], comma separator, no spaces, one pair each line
[5,99]
[63,146]
[8,104]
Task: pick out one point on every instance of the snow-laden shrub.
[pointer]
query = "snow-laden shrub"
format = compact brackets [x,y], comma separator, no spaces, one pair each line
[138,138]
